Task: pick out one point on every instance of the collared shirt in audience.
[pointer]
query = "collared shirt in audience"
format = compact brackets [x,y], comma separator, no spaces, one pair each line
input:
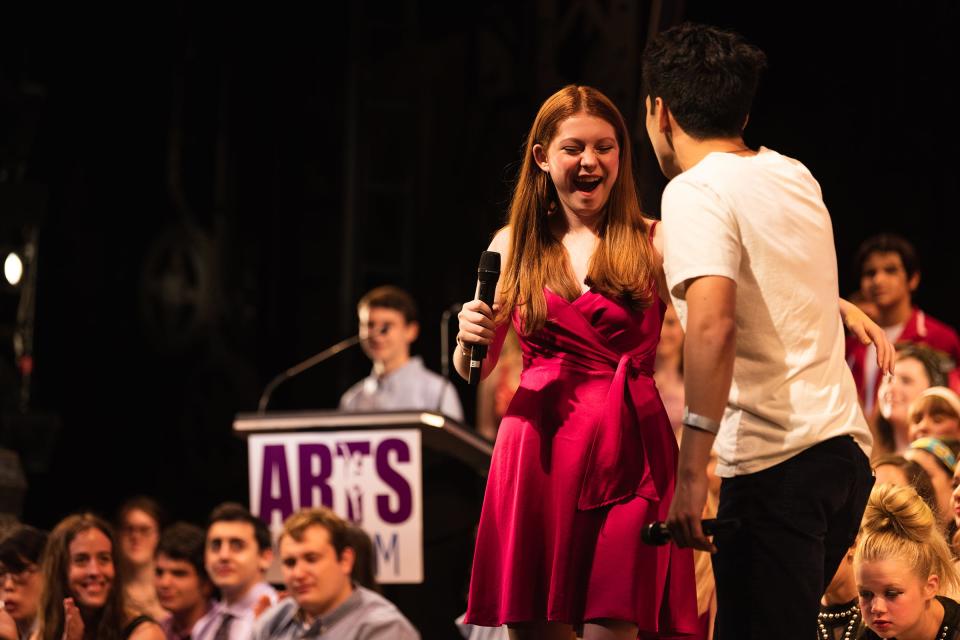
[239,613]
[365,615]
[198,630]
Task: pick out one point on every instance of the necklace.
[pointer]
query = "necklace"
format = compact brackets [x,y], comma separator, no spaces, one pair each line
[851,616]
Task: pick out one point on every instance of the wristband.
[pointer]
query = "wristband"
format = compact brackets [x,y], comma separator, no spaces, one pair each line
[697,421]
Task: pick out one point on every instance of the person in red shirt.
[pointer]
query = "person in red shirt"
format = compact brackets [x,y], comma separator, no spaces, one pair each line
[889,274]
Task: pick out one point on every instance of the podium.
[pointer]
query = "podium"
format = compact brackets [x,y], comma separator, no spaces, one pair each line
[413,480]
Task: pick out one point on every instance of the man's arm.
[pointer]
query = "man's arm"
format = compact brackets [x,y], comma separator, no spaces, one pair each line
[867,331]
[708,354]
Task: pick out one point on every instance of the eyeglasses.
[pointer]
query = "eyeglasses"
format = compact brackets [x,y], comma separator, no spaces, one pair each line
[138,530]
[19,578]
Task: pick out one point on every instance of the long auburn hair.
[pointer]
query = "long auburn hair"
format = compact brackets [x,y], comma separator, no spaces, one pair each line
[622,267]
[110,621]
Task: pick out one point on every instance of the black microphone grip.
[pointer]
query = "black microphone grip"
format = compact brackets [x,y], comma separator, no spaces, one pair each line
[488,273]
[656,534]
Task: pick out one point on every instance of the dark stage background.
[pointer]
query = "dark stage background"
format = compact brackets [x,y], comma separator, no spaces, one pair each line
[216,187]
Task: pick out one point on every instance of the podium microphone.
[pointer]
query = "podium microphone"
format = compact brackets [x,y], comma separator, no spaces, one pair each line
[656,534]
[487,275]
[312,361]
[445,338]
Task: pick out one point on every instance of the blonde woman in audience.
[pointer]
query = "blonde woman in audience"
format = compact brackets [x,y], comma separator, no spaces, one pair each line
[935,413]
[917,368]
[901,564]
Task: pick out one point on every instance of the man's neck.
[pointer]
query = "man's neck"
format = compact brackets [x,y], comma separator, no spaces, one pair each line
[310,616]
[385,367]
[233,596]
[183,621]
[895,314]
[144,574]
[690,151]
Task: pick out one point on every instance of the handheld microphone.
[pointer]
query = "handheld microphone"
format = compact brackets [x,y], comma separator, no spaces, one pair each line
[656,534]
[487,275]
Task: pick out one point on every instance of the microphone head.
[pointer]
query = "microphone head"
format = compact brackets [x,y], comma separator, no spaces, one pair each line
[489,268]
[655,534]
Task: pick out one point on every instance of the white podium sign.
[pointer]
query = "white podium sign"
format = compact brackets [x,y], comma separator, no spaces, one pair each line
[372,478]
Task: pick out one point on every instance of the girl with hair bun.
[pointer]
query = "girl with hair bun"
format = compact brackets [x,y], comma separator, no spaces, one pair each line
[901,564]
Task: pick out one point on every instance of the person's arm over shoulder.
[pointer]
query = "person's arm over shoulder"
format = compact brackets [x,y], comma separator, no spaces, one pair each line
[478,321]
[701,235]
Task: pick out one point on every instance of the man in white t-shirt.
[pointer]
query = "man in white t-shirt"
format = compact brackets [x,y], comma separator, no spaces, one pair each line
[751,266]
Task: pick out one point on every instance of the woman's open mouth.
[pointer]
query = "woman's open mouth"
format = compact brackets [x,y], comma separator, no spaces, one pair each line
[587,183]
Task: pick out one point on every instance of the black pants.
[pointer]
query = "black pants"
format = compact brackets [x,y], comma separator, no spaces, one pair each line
[798,519]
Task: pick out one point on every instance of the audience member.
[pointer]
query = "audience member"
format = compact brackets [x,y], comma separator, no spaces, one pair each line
[939,459]
[317,564]
[935,413]
[138,527]
[901,563]
[889,275]
[388,326]
[364,565]
[917,369]
[82,597]
[955,511]
[238,554]
[896,470]
[183,586]
[20,581]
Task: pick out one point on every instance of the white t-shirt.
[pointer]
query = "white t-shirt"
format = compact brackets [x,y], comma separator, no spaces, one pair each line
[761,221]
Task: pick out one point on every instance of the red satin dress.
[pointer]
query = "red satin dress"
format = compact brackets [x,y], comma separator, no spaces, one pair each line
[585,457]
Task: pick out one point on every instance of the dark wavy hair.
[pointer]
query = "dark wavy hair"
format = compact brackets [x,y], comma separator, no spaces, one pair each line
[707,77]
[236,512]
[107,623]
[186,542]
[889,243]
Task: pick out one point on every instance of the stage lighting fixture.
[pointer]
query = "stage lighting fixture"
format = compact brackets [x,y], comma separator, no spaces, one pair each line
[13,268]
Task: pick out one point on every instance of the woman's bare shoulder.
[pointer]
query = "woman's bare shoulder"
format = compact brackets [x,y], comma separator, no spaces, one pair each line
[501,240]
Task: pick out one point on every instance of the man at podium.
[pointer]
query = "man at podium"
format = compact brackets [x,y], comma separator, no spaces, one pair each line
[388,326]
